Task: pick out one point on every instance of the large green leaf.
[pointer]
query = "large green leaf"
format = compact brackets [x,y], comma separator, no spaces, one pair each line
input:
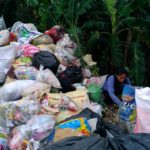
[110,5]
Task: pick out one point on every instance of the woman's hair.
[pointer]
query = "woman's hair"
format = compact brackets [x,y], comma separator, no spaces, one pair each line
[121,70]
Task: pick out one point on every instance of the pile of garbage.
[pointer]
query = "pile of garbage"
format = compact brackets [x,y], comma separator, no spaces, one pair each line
[48,100]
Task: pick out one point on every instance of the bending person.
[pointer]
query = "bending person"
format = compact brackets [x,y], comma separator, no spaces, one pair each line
[113,86]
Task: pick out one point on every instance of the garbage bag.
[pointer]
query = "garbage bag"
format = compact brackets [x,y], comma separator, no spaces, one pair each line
[54,103]
[47,76]
[37,128]
[93,142]
[29,50]
[24,72]
[67,44]
[36,89]
[4,37]
[43,39]
[17,112]
[56,32]
[71,75]
[2,23]
[18,25]
[13,90]
[142,97]
[47,59]
[7,56]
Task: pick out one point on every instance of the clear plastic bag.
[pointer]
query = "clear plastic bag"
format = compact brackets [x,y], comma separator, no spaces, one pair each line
[7,56]
[12,91]
[36,89]
[17,112]
[38,128]
[47,76]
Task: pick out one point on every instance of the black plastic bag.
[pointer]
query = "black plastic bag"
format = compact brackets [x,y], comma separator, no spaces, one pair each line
[47,59]
[71,75]
[94,142]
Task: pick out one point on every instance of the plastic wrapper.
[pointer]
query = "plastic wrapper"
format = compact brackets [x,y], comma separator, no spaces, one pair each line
[67,44]
[22,61]
[37,128]
[24,72]
[4,37]
[7,56]
[17,112]
[25,36]
[17,26]
[36,89]
[43,39]
[29,50]
[12,91]
[80,124]
[47,76]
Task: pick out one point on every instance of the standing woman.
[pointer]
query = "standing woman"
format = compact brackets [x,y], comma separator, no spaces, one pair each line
[113,86]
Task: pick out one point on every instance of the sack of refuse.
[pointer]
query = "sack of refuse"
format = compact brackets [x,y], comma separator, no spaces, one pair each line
[67,44]
[56,32]
[36,89]
[7,56]
[47,76]
[63,56]
[42,39]
[4,37]
[17,112]
[71,75]
[53,103]
[127,110]
[25,72]
[46,59]
[37,128]
[18,25]
[13,90]
[142,97]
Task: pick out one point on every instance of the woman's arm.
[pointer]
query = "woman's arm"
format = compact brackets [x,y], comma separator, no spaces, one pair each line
[111,90]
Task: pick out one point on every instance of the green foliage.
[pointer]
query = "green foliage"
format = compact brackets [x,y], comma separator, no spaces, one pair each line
[99,27]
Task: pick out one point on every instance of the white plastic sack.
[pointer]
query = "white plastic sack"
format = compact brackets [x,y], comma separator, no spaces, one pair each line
[13,90]
[47,76]
[142,97]
[36,89]
[4,37]
[7,56]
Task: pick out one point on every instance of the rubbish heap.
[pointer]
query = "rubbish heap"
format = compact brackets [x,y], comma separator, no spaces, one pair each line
[49,101]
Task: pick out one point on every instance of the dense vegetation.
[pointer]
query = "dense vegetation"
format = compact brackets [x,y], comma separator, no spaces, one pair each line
[115,32]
